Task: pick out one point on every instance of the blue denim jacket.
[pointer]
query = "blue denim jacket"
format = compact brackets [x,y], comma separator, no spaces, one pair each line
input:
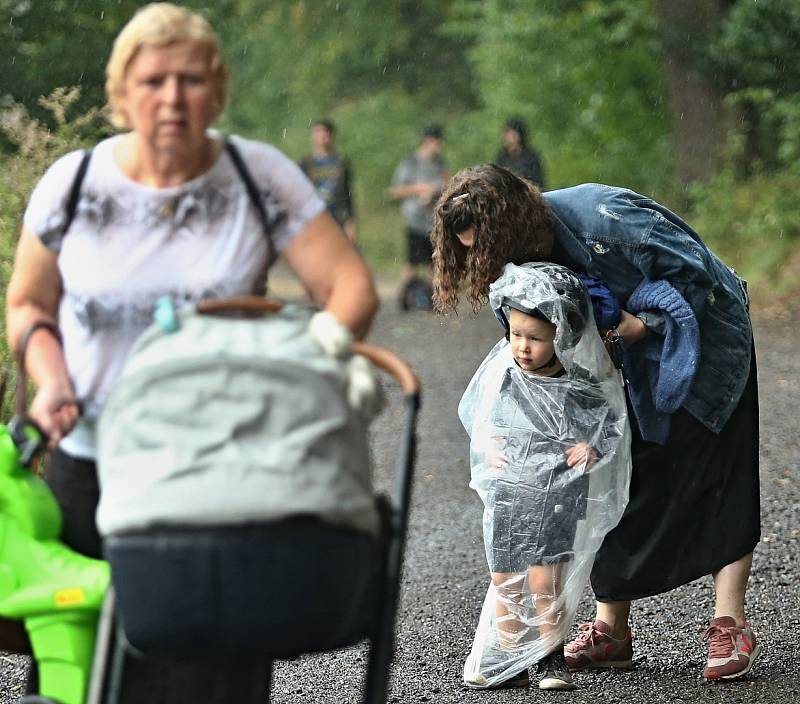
[623,238]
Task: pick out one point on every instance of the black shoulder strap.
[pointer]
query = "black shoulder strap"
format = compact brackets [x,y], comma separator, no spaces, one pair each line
[75,191]
[238,162]
[252,192]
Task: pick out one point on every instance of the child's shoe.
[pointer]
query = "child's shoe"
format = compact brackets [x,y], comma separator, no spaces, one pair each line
[519,681]
[731,650]
[595,647]
[553,668]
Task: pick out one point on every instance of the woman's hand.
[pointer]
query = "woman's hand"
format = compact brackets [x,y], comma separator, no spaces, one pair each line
[581,455]
[428,192]
[364,392]
[55,410]
[631,328]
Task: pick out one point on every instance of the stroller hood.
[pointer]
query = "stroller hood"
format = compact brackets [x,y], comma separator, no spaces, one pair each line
[230,421]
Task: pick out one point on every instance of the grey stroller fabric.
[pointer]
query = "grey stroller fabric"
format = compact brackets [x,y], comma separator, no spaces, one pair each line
[232,421]
[543,520]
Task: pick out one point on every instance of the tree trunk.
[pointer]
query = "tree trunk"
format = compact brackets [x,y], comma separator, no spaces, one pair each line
[698,129]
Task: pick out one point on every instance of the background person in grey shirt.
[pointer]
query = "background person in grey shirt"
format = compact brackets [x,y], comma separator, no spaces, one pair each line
[418,180]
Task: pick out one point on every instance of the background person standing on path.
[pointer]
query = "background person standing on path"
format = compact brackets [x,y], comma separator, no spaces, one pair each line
[332,175]
[418,180]
[517,156]
[694,504]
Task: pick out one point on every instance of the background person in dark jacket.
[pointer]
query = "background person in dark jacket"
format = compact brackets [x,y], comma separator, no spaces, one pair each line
[517,156]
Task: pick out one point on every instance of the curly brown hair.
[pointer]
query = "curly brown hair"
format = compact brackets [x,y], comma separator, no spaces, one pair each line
[512,224]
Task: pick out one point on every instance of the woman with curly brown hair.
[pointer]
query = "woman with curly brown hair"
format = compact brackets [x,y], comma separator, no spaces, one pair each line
[694,496]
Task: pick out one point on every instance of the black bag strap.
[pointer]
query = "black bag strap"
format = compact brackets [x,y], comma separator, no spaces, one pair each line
[75,191]
[253,193]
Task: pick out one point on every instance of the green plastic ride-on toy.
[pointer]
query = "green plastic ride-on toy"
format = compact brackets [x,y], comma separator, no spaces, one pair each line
[56,592]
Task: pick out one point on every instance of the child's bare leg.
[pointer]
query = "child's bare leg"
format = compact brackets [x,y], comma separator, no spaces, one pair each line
[545,586]
[510,608]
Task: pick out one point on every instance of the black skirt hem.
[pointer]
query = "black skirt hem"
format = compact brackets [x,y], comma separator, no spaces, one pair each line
[678,583]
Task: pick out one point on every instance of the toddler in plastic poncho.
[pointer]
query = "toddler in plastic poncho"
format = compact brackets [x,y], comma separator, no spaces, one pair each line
[550,459]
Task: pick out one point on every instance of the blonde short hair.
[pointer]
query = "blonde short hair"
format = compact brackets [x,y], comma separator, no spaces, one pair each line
[161,24]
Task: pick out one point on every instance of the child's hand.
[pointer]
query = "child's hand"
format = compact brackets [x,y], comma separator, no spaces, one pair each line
[581,455]
[495,457]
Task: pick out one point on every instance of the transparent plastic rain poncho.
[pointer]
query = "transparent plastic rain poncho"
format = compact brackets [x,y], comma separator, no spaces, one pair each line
[543,521]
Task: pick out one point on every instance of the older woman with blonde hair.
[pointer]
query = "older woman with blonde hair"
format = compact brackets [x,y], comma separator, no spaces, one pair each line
[169,207]
[161,210]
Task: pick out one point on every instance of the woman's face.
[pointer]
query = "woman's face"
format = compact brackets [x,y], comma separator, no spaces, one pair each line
[467,237]
[169,96]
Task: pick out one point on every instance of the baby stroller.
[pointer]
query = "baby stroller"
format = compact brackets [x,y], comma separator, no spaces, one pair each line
[237,593]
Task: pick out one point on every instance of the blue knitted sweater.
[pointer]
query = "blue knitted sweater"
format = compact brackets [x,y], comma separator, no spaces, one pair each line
[660,370]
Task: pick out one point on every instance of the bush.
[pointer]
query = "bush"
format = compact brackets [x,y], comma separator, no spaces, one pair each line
[758,57]
[33,148]
[754,226]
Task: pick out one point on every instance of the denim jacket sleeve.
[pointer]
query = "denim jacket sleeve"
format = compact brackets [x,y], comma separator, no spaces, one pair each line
[666,252]
[623,238]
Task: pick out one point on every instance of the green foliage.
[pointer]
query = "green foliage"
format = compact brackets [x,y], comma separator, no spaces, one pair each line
[35,148]
[379,70]
[758,56]
[754,225]
[759,46]
[46,44]
[586,75]
[748,212]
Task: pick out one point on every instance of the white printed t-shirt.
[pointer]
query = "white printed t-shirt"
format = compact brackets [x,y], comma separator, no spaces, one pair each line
[129,245]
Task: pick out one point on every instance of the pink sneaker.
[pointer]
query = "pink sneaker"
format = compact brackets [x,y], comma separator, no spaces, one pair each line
[731,650]
[594,647]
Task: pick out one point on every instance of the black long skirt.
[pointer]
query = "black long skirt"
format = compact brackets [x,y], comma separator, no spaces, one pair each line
[694,505]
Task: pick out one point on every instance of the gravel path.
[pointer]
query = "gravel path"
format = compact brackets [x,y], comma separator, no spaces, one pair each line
[445,573]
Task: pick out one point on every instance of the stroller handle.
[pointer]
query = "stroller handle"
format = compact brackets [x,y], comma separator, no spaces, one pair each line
[391,364]
[379,356]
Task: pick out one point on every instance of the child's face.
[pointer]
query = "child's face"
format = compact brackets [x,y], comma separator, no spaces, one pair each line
[531,341]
